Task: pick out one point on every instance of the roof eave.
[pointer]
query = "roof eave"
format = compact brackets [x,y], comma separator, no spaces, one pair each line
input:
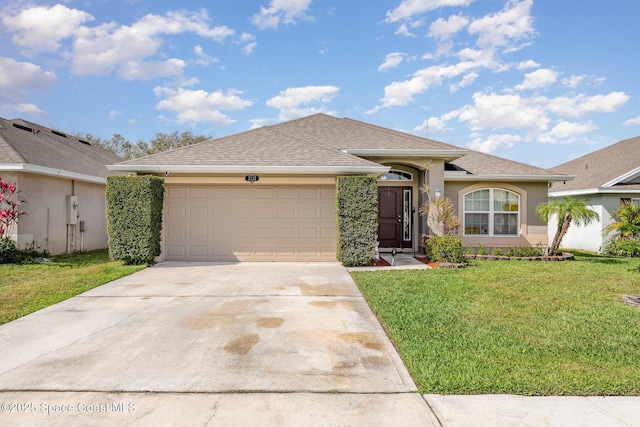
[588,191]
[517,178]
[251,169]
[42,170]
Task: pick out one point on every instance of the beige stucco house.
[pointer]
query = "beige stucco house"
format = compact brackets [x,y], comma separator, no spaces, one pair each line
[268,194]
[605,177]
[62,179]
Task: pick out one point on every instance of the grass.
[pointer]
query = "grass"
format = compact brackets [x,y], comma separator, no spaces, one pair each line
[31,287]
[520,327]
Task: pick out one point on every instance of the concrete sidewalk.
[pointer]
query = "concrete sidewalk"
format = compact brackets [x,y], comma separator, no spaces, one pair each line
[269,344]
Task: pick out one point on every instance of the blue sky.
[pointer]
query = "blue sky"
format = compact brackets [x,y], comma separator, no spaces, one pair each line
[540,82]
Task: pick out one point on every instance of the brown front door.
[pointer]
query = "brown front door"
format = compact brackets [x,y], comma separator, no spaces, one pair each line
[394,217]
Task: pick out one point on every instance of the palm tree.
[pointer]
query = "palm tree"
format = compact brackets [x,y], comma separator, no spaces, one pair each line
[567,210]
[627,222]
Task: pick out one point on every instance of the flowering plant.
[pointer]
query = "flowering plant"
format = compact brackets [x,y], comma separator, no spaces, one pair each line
[9,208]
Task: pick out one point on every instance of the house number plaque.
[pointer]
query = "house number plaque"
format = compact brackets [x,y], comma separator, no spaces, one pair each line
[251,178]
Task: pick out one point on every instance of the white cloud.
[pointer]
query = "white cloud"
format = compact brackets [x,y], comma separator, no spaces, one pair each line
[403,30]
[445,29]
[582,104]
[205,59]
[527,64]
[410,8]
[504,111]
[103,49]
[537,79]
[573,81]
[631,122]
[291,100]
[433,124]
[42,28]
[25,108]
[467,80]
[133,52]
[249,43]
[113,114]
[281,11]
[199,105]
[23,76]
[493,142]
[512,23]
[392,60]
[566,132]
[401,93]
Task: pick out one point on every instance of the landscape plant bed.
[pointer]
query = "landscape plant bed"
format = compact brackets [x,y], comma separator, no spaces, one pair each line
[565,256]
[515,327]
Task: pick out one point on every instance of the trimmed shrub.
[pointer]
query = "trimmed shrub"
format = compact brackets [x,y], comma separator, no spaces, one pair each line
[622,247]
[9,251]
[450,245]
[134,217]
[357,219]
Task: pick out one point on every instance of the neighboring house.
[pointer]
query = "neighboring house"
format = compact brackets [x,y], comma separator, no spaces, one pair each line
[62,179]
[605,177]
[269,193]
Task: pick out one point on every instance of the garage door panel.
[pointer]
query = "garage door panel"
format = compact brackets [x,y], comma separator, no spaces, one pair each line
[250,223]
[198,193]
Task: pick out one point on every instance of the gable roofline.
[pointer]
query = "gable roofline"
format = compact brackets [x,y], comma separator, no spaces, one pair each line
[42,170]
[592,191]
[252,169]
[455,176]
[381,152]
[634,173]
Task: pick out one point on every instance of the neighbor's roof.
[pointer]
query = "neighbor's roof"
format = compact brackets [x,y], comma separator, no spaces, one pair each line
[316,144]
[29,147]
[615,168]
[476,164]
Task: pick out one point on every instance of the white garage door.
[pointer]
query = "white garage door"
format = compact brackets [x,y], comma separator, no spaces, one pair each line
[250,223]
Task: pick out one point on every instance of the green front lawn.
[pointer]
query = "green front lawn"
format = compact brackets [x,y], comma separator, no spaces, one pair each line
[30,287]
[521,327]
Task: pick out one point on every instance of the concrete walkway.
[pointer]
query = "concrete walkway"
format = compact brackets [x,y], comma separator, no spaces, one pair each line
[236,345]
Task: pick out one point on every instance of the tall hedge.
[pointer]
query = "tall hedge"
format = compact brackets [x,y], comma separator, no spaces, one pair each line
[357,219]
[134,217]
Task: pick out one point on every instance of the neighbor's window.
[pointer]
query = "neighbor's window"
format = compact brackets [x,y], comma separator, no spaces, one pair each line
[635,202]
[491,212]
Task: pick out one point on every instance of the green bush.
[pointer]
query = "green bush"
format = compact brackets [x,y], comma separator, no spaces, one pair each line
[525,251]
[10,253]
[622,247]
[134,217]
[451,245]
[357,219]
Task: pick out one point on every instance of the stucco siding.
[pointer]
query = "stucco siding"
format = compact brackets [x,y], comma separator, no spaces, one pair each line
[591,237]
[45,223]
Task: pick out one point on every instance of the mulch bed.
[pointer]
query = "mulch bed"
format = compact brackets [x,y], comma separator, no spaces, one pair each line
[379,263]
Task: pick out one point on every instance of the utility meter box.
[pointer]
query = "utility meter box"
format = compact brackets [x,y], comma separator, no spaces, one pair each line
[72,210]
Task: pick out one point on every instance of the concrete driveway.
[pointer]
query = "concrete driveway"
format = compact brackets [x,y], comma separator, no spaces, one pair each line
[217,344]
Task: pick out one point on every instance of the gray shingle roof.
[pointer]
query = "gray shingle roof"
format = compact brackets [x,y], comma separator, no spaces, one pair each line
[321,140]
[595,169]
[30,143]
[258,147]
[486,164]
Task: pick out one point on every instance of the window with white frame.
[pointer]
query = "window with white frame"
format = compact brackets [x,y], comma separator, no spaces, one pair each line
[491,212]
[635,202]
